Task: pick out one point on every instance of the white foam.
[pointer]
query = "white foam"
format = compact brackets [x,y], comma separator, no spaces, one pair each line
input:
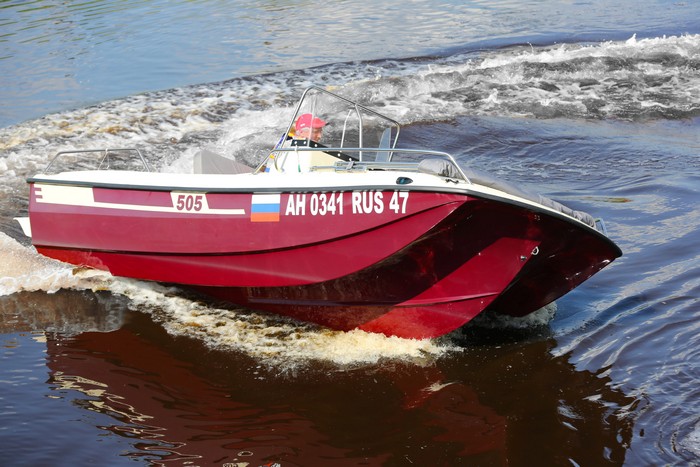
[23,269]
[272,340]
[691,443]
[536,319]
[254,110]
[685,45]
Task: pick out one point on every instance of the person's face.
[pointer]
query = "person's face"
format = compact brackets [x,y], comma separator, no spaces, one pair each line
[314,134]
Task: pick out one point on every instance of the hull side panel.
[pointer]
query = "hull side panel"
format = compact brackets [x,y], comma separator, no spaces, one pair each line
[306,264]
[427,289]
[566,257]
[133,221]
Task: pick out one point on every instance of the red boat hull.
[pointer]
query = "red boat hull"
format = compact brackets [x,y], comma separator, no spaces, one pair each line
[410,264]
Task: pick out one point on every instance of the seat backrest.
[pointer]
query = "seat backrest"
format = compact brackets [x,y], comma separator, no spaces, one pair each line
[384,142]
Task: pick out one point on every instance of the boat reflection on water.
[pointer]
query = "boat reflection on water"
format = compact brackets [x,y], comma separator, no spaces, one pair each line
[67,312]
[176,400]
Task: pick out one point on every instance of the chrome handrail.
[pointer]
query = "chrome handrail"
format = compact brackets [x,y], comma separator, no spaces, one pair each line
[106,151]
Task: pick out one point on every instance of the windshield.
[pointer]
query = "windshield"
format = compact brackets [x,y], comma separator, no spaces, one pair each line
[344,123]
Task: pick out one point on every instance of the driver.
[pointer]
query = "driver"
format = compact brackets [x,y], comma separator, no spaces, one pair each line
[308,127]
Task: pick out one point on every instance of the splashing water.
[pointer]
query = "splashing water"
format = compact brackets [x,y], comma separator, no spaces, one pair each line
[22,269]
[274,340]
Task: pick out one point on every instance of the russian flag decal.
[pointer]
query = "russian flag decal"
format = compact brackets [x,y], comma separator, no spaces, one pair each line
[265,208]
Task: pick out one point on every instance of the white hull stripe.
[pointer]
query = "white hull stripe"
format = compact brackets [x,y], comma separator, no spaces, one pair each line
[182,203]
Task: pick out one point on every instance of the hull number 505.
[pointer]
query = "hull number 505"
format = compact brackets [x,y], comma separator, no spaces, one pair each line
[189,202]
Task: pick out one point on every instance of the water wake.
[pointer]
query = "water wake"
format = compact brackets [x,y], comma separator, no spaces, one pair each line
[634,79]
[270,339]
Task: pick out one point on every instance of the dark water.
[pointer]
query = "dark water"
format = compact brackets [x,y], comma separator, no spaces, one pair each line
[596,105]
[151,396]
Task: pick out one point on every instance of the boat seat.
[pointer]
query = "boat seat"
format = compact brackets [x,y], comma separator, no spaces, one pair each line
[384,143]
[208,162]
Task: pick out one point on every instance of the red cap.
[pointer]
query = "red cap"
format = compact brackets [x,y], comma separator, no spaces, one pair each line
[308,120]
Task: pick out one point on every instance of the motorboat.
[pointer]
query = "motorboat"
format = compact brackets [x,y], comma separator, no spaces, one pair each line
[351,232]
